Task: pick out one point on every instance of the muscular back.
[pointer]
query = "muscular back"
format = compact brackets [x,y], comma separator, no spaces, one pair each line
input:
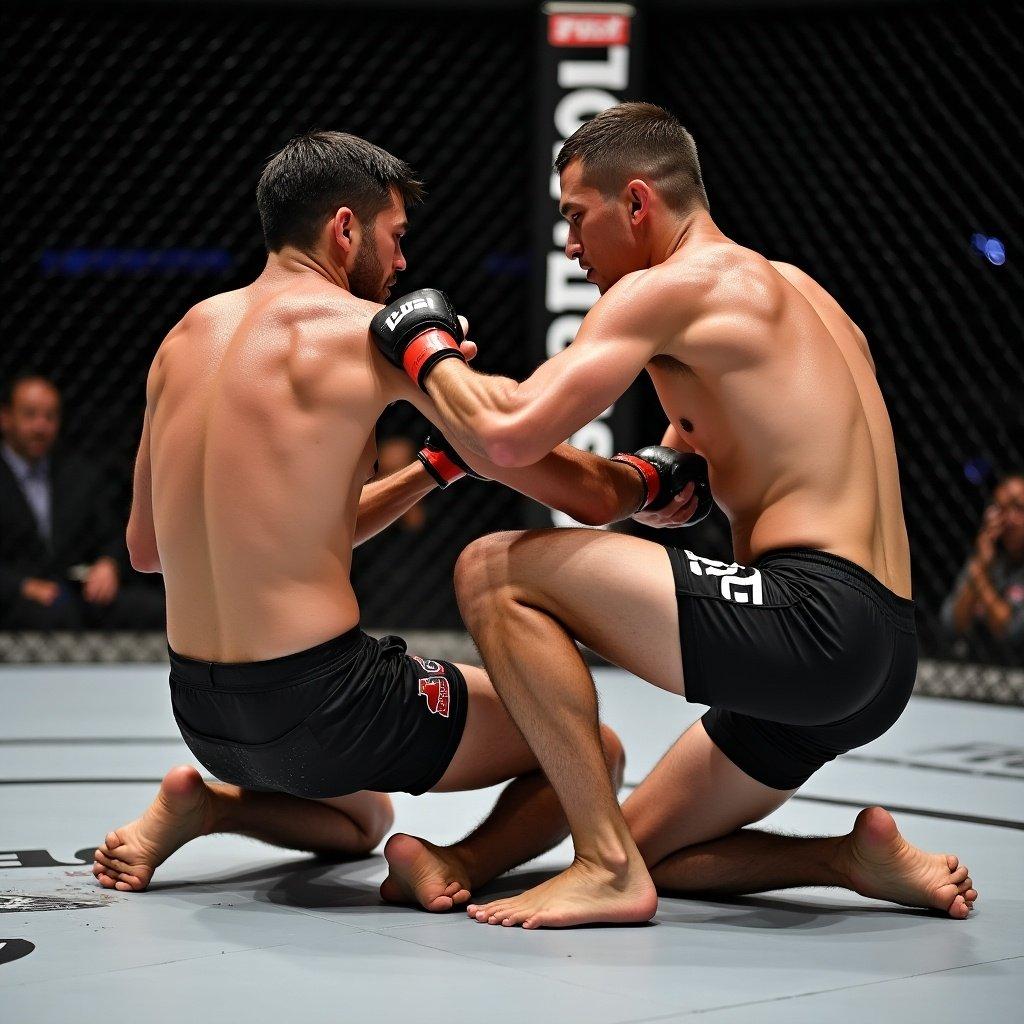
[775,385]
[262,404]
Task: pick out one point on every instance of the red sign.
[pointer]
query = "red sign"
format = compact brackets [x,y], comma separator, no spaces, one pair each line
[588,29]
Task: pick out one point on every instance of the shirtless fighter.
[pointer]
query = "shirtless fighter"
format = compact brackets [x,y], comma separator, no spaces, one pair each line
[804,648]
[249,497]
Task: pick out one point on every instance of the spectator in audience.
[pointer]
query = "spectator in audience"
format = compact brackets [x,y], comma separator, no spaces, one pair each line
[986,607]
[62,548]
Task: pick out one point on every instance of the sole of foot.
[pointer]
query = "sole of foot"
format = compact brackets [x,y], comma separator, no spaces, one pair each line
[423,875]
[130,855]
[883,865]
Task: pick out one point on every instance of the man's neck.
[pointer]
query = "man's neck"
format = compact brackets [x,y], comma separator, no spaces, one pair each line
[291,262]
[696,226]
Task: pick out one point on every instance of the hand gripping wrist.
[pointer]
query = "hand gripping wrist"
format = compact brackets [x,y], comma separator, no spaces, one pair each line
[417,331]
[666,473]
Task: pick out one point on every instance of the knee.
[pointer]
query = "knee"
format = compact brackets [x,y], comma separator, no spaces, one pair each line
[481,569]
[614,754]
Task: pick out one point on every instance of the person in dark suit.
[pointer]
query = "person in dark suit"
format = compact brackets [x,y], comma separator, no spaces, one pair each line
[62,546]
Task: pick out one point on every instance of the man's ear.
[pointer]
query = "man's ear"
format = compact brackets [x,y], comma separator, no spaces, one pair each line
[639,193]
[344,227]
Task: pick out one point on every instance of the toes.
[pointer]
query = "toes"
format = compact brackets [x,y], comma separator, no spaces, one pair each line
[958,908]
[461,896]
[439,904]
[959,875]
[952,862]
[105,880]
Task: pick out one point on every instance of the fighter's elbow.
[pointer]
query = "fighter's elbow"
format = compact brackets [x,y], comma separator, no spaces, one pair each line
[512,442]
[142,552]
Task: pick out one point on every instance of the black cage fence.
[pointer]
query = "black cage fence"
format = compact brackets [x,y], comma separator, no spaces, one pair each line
[872,145]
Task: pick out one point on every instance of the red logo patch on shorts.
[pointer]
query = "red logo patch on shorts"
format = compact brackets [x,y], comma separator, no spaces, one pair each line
[435,689]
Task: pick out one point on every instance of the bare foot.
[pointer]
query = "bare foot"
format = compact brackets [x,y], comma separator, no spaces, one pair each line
[884,866]
[423,874]
[582,894]
[181,812]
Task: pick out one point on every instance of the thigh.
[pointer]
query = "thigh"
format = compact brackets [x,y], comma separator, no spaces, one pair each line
[695,794]
[615,594]
[492,749]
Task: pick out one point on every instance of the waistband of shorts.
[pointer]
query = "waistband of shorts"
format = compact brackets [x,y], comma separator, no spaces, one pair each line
[283,671]
[901,608]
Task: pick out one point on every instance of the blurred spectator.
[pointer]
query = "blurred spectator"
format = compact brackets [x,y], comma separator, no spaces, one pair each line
[986,607]
[62,549]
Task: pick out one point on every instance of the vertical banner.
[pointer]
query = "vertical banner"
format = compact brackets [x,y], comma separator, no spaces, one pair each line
[587,63]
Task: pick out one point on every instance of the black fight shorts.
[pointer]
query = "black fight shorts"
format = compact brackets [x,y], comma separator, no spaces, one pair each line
[352,713]
[802,656]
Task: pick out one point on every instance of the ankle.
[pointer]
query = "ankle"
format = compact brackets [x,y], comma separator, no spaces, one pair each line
[838,861]
[221,813]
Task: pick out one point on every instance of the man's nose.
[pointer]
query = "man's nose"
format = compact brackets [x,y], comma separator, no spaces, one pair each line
[573,249]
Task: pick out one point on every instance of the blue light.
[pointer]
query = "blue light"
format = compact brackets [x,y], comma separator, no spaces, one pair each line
[134,262]
[995,252]
[977,470]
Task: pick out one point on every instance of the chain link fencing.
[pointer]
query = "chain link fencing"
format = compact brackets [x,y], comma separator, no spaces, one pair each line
[868,145]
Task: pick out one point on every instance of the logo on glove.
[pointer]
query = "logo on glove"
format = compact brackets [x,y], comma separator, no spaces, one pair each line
[394,319]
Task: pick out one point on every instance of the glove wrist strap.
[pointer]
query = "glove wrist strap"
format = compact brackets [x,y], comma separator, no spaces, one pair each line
[648,476]
[440,467]
[425,350]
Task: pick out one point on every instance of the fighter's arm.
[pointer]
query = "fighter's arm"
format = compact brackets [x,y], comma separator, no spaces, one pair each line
[141,534]
[381,502]
[515,424]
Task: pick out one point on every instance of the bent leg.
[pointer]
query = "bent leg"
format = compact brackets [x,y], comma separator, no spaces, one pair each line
[186,807]
[526,820]
[526,598]
[688,818]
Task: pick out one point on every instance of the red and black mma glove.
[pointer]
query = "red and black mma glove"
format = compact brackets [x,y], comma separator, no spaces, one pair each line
[417,331]
[665,472]
[443,462]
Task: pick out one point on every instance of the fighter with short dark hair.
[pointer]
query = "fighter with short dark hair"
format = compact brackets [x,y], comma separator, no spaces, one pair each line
[804,648]
[251,492]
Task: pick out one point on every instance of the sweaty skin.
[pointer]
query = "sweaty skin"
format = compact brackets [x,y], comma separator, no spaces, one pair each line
[757,368]
[258,438]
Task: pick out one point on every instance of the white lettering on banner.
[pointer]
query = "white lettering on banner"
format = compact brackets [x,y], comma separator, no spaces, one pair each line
[591,87]
[612,73]
[576,108]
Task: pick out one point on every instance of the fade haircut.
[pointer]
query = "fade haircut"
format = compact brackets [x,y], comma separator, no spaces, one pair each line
[637,140]
[316,174]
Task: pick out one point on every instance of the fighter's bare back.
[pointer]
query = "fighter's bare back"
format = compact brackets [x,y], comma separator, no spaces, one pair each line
[262,404]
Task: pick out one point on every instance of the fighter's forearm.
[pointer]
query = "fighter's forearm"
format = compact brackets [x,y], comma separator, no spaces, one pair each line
[384,501]
[493,416]
[589,489]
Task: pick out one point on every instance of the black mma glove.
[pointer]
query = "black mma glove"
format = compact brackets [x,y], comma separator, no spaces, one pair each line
[418,330]
[665,472]
[443,462]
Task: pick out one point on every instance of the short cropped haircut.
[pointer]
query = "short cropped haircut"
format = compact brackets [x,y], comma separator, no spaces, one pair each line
[637,140]
[9,390]
[316,174]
